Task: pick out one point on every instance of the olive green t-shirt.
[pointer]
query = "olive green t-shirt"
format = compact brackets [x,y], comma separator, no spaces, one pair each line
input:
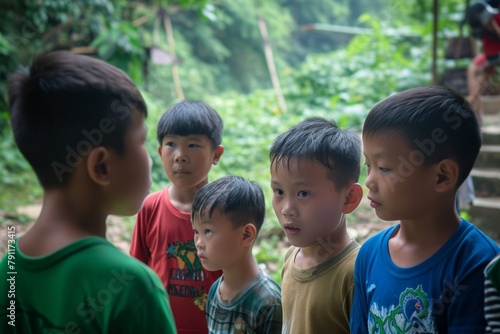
[88,286]
[318,299]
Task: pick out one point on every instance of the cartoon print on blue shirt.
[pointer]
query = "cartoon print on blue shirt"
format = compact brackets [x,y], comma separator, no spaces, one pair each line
[412,315]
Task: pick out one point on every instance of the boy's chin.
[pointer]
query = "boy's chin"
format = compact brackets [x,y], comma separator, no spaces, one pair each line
[211,268]
[125,209]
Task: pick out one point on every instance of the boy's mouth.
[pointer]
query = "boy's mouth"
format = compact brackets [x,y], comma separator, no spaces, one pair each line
[373,203]
[291,230]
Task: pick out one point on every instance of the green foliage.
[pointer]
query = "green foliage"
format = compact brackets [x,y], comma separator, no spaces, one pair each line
[466,215]
[267,254]
[10,218]
[18,183]
[121,45]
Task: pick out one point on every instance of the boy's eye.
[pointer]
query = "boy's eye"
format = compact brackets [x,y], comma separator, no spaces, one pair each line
[194,145]
[303,193]
[278,192]
[384,170]
[170,144]
[207,231]
[367,165]
[195,231]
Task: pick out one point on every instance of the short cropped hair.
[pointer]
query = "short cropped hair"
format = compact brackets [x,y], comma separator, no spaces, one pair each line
[64,105]
[236,197]
[319,140]
[191,118]
[436,122]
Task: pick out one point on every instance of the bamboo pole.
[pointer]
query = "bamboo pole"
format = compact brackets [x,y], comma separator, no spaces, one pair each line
[156,34]
[270,64]
[434,42]
[171,45]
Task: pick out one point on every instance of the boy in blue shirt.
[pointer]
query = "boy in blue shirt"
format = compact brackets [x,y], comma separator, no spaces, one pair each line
[227,215]
[425,274]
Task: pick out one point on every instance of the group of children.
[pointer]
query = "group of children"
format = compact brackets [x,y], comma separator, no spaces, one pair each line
[194,239]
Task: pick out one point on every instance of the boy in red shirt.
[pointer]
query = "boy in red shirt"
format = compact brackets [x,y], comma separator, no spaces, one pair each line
[189,135]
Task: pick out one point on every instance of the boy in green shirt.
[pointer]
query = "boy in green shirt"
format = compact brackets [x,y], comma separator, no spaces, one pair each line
[80,124]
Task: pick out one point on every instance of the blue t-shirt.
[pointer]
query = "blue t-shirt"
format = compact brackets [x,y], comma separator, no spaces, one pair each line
[443,294]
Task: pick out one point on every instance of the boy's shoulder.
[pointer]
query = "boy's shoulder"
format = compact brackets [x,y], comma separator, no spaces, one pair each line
[493,266]
[340,266]
[155,202]
[474,242]
[265,289]
[155,198]
[158,205]
[349,251]
[91,269]
[468,242]
[94,257]
[268,283]
[379,237]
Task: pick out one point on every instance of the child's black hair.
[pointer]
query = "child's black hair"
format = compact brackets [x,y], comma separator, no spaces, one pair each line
[191,118]
[436,122]
[319,140]
[64,105]
[236,197]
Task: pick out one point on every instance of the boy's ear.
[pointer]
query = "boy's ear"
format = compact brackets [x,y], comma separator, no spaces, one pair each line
[218,152]
[249,234]
[159,150]
[354,196]
[447,171]
[98,166]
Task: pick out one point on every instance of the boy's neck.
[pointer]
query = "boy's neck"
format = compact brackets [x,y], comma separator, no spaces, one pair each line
[322,251]
[182,198]
[417,240]
[237,276]
[59,224]
[434,225]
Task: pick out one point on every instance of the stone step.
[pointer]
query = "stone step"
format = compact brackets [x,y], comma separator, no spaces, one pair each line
[491,103]
[485,213]
[486,181]
[489,156]
[491,135]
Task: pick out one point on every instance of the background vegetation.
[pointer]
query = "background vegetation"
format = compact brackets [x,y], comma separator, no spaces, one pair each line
[219,58]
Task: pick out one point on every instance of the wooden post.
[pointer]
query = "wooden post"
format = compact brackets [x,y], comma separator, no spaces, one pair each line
[270,64]
[170,38]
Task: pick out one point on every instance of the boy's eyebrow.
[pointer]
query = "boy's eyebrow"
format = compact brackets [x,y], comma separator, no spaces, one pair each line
[204,221]
[197,137]
[299,182]
[375,155]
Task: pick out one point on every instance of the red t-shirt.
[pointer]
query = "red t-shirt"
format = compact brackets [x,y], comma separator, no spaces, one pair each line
[163,239]
[491,45]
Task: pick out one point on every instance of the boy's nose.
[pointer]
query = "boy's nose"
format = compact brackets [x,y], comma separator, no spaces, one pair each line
[287,209]
[180,156]
[370,182]
[198,243]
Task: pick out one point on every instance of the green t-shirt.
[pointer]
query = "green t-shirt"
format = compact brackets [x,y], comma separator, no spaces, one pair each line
[88,286]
